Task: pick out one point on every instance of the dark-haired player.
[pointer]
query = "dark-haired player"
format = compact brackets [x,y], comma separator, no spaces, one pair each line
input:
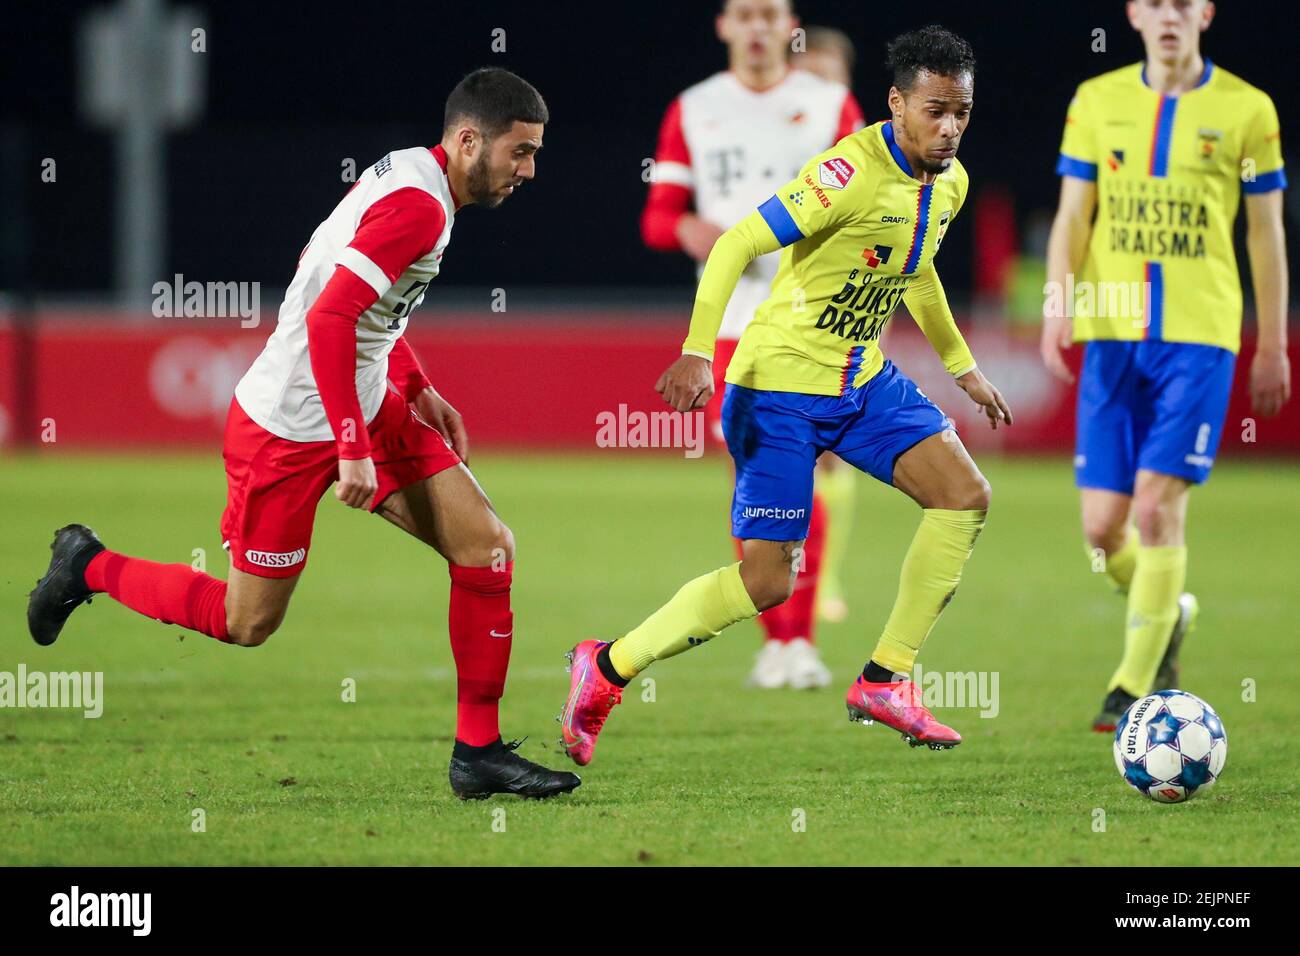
[337,395]
[860,225]
[1162,152]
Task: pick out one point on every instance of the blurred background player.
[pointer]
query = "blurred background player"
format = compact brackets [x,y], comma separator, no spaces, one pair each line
[316,408]
[1162,152]
[826,52]
[829,53]
[724,145]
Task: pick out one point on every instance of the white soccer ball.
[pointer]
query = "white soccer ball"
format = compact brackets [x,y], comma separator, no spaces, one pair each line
[1170,745]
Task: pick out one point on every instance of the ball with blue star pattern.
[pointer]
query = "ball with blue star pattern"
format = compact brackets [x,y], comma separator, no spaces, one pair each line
[1170,746]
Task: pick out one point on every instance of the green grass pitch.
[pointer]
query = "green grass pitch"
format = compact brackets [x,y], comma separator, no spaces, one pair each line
[709,772]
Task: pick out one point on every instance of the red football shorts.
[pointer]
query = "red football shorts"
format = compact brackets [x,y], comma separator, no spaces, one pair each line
[723,350]
[274,484]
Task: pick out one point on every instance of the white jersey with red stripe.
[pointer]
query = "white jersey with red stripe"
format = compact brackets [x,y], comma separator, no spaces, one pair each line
[733,147]
[279,391]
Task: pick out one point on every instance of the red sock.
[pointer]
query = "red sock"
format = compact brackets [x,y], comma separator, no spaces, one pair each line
[171,593]
[800,609]
[481,625]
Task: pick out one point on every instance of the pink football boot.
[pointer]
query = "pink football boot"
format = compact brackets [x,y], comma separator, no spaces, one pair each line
[591,698]
[897,704]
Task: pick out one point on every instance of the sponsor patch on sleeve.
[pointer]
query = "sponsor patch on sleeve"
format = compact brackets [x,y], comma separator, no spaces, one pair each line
[835,173]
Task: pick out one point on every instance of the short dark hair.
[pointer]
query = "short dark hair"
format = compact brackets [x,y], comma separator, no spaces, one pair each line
[934,49]
[495,99]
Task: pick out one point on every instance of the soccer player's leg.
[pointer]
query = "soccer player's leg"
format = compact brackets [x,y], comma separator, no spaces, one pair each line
[1184,399]
[787,656]
[804,669]
[1111,418]
[426,491]
[266,526]
[836,487]
[774,454]
[1191,384]
[903,439]
[1109,422]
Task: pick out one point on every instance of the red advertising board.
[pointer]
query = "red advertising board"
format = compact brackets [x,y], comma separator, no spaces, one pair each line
[542,380]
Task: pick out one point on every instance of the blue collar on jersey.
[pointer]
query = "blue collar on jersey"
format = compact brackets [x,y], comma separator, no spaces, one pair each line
[1205,75]
[887,131]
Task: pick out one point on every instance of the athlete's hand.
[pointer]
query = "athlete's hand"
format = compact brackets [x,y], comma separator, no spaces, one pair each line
[1058,334]
[439,413]
[357,483]
[697,236]
[984,394]
[1270,381]
[687,383]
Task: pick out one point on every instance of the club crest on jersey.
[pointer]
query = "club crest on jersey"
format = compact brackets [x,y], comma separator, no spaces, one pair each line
[876,255]
[835,173]
[1115,160]
[943,227]
[1208,142]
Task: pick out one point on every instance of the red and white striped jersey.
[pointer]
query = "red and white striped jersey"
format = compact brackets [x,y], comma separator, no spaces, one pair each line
[390,230]
[728,148]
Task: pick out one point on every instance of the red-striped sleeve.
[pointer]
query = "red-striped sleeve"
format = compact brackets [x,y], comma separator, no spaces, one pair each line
[404,370]
[394,232]
[672,146]
[670,192]
[332,348]
[851,119]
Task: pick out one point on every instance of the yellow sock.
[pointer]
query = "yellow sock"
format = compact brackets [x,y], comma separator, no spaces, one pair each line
[931,572]
[838,488]
[1152,611]
[1119,566]
[697,613]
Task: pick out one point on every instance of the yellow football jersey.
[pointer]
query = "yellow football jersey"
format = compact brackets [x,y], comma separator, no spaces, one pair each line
[860,237]
[1170,171]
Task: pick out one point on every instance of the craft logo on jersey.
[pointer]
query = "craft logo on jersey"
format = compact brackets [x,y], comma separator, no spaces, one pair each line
[1115,160]
[1209,141]
[835,173]
[876,255]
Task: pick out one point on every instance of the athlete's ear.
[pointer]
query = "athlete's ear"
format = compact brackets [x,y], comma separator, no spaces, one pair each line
[1207,16]
[896,103]
[466,137]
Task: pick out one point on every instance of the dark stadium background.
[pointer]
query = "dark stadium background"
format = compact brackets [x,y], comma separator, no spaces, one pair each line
[293,87]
